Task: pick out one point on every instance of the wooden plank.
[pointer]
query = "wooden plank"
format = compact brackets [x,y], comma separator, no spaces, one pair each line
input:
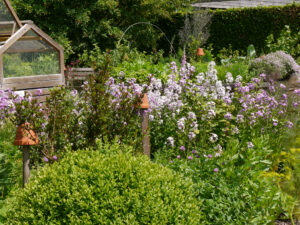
[30,85]
[45,91]
[26,79]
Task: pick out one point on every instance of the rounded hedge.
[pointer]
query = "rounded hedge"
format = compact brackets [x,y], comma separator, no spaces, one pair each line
[89,187]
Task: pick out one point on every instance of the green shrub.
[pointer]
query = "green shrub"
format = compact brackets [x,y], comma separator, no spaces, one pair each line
[244,26]
[285,42]
[90,187]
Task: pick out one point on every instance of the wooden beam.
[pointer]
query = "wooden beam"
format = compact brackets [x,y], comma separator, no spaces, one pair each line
[12,12]
[14,38]
[24,38]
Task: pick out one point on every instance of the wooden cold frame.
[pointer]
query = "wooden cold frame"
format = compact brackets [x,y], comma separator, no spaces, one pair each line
[31,82]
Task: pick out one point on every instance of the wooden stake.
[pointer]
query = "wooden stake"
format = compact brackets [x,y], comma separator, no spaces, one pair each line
[145,132]
[26,163]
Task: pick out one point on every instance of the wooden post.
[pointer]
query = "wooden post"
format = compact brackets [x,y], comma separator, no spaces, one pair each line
[145,125]
[26,163]
[26,137]
[145,132]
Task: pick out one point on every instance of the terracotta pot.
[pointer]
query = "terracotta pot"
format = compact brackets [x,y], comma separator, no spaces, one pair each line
[145,103]
[25,136]
[200,52]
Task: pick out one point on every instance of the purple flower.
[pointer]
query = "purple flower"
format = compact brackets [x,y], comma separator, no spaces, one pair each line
[262,76]
[289,124]
[275,122]
[182,148]
[250,144]
[209,156]
[282,86]
[190,157]
[197,156]
[54,157]
[171,161]
[39,92]
[46,159]
[178,157]
[228,116]
[194,151]
[216,170]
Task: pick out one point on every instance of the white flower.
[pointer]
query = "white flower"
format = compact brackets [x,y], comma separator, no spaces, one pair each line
[213,138]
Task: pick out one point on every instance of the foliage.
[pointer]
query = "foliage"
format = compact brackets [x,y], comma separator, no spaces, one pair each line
[94,188]
[230,187]
[287,42]
[244,26]
[104,109]
[79,25]
[277,65]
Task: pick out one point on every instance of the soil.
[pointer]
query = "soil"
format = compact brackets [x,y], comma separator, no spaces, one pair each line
[287,222]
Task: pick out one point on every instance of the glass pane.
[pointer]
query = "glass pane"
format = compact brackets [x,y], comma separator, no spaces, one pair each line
[7,23]
[29,56]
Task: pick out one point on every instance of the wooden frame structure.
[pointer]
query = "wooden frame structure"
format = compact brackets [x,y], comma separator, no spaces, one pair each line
[20,40]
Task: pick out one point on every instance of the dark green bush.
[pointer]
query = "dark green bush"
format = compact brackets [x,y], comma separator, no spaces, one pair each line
[90,187]
[244,26]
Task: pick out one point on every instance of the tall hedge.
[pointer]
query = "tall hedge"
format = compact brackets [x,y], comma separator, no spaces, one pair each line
[244,26]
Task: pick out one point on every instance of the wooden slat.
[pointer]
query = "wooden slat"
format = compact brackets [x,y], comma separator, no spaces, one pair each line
[26,79]
[30,85]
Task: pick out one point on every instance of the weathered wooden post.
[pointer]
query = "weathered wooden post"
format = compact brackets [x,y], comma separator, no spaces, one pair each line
[26,137]
[145,125]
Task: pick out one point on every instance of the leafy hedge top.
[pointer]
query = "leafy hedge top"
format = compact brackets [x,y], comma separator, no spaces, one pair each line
[244,26]
[94,188]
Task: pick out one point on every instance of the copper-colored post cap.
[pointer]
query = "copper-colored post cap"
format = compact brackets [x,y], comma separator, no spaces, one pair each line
[25,136]
[200,52]
[145,103]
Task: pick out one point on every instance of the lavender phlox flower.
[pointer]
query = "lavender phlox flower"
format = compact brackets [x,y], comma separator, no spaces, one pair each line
[190,157]
[255,80]
[181,123]
[200,78]
[251,86]
[259,114]
[209,156]
[74,93]
[54,157]
[297,92]
[194,151]
[235,130]
[282,86]
[46,159]
[228,116]
[191,115]
[227,100]
[213,138]
[272,88]
[211,114]
[216,170]
[229,78]
[171,141]
[178,157]
[280,112]
[191,135]
[250,144]
[275,122]
[39,92]
[289,124]
[238,79]
[182,148]
[262,76]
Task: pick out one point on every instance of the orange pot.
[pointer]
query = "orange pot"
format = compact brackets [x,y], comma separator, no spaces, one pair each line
[25,136]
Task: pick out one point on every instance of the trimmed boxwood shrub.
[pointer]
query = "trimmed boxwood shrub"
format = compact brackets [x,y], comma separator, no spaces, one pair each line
[89,187]
[241,27]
